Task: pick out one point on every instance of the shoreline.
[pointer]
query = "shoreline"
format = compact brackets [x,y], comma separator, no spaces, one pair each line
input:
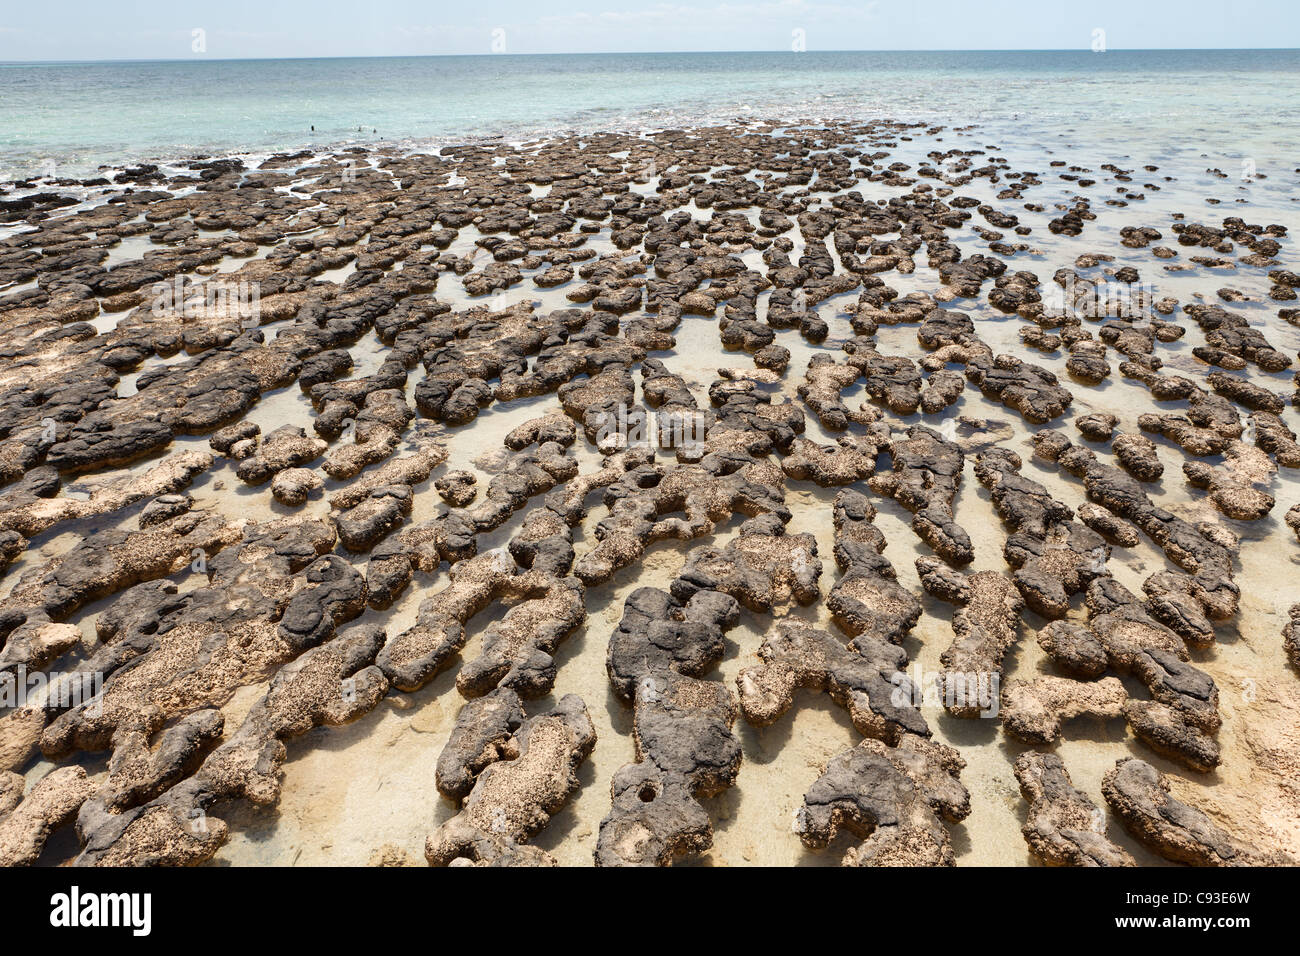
[1145,100]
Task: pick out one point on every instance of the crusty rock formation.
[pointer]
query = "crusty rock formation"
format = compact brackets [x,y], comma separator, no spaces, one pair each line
[1054,556]
[685,748]
[1034,710]
[1065,828]
[512,800]
[866,677]
[926,474]
[867,599]
[152,445]
[26,825]
[1139,795]
[985,626]
[896,798]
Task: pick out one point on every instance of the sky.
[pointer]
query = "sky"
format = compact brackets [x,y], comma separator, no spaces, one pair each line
[175,29]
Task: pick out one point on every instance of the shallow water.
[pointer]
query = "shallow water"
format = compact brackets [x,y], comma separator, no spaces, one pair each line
[348,791]
[1227,103]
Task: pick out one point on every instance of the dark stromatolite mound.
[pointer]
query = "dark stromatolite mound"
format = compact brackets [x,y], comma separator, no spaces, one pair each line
[1064,828]
[1171,734]
[681,724]
[1137,455]
[925,478]
[1232,333]
[685,750]
[1139,795]
[867,599]
[747,422]
[1087,362]
[361,527]
[762,568]
[1031,390]
[865,677]
[985,626]
[324,366]
[457,488]
[555,427]
[1209,427]
[595,402]
[1275,437]
[1125,626]
[163,508]
[512,800]
[1054,556]
[1098,426]
[944,327]
[892,380]
[287,447]
[1074,648]
[104,443]
[1182,687]
[294,486]
[896,798]
[483,735]
[657,632]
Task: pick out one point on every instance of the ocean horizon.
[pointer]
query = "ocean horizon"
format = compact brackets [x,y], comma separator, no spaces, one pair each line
[74,117]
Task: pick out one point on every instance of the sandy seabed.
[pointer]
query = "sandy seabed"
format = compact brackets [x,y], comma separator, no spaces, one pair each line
[308,468]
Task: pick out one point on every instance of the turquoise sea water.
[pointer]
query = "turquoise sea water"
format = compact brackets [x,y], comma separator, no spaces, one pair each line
[1228,104]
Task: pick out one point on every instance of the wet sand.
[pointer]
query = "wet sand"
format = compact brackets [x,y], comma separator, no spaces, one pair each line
[364,791]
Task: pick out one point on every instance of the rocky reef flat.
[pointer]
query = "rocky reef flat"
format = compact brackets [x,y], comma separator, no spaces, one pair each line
[849,494]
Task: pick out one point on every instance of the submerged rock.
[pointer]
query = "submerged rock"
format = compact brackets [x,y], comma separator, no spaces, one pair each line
[754,234]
